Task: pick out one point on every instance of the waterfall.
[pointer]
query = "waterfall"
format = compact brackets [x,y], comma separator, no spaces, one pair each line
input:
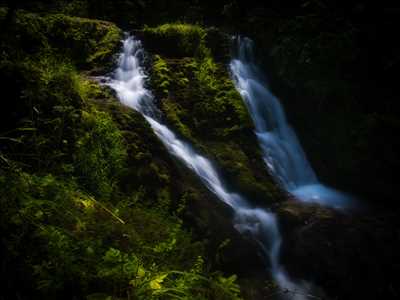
[282,152]
[128,82]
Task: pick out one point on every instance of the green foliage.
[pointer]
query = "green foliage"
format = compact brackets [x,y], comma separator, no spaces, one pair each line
[40,210]
[100,154]
[119,268]
[205,73]
[61,267]
[221,102]
[161,75]
[81,242]
[214,96]
[185,285]
[45,111]
[227,287]
[88,245]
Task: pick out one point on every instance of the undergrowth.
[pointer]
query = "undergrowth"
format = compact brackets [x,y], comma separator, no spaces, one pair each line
[87,201]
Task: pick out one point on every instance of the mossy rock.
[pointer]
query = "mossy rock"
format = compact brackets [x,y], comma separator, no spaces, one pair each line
[244,172]
[174,40]
[178,40]
[89,44]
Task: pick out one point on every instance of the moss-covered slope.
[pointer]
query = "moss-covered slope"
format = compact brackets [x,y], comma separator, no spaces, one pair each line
[196,94]
[88,43]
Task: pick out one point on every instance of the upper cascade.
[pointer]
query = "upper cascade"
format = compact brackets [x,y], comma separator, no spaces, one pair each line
[281,148]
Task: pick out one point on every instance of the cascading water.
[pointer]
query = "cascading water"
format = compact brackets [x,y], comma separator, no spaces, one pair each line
[283,153]
[128,82]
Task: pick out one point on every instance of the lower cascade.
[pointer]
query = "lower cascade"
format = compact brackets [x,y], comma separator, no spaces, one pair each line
[282,151]
[128,82]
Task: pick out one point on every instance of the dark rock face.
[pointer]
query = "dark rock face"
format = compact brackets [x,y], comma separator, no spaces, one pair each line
[229,250]
[350,256]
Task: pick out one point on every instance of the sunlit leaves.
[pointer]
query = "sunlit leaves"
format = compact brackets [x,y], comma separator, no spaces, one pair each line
[155,284]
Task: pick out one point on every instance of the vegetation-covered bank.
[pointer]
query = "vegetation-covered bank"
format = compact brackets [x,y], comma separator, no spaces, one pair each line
[91,204]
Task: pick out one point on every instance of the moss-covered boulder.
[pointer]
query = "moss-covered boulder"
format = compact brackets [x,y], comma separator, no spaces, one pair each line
[91,43]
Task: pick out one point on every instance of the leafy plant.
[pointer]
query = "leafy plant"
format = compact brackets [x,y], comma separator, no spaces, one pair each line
[100,155]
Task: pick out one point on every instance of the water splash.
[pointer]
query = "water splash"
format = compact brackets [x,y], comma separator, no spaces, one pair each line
[282,152]
[128,82]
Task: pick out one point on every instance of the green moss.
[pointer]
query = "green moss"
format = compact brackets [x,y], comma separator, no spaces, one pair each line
[178,28]
[238,166]
[107,46]
[88,43]
[175,40]
[175,113]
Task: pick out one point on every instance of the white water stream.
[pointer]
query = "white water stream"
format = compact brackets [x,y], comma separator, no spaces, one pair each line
[128,82]
[282,151]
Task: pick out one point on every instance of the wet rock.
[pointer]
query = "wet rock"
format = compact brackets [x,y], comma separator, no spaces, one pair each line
[350,256]
[228,250]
